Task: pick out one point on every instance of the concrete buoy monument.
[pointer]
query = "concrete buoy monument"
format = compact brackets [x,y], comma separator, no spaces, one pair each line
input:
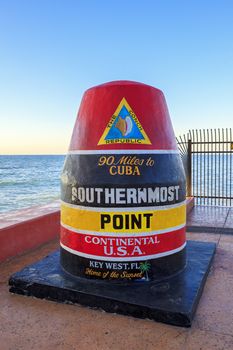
[123,214]
[123,187]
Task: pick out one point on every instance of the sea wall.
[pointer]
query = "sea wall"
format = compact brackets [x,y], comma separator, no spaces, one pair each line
[28,228]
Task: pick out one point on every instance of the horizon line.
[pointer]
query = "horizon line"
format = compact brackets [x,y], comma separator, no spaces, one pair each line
[32,154]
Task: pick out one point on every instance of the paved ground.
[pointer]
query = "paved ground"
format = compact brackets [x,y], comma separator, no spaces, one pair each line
[211,219]
[29,323]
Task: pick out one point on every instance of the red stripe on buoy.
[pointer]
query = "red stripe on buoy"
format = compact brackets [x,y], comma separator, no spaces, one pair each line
[99,246]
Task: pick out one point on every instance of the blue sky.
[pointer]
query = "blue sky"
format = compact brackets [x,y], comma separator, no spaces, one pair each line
[52,51]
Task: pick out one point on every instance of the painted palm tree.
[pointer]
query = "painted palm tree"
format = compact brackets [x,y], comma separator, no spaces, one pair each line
[145,267]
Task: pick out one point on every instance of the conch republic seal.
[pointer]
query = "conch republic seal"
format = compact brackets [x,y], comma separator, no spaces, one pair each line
[123,188]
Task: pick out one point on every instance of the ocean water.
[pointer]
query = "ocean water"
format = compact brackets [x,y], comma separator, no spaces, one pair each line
[29,180]
[212,177]
[33,180]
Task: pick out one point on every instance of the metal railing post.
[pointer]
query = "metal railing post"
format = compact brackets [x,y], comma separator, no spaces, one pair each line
[189,169]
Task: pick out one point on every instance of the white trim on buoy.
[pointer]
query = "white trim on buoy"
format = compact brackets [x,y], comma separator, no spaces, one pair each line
[125,151]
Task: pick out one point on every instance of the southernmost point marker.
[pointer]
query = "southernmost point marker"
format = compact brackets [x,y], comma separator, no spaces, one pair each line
[123,214]
[123,188]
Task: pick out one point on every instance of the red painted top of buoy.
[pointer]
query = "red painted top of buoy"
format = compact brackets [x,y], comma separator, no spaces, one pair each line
[99,104]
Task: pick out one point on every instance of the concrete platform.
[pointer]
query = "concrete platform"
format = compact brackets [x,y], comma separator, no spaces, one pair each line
[210,219]
[28,323]
[173,300]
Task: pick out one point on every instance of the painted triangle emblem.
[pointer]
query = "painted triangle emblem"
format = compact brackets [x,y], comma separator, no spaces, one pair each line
[124,127]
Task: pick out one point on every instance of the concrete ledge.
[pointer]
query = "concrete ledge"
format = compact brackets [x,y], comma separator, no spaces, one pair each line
[189,204]
[207,229]
[26,229]
[210,219]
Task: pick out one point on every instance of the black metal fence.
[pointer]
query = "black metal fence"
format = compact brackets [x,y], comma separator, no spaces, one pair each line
[207,156]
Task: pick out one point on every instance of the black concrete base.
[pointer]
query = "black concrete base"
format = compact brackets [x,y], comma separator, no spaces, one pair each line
[172,301]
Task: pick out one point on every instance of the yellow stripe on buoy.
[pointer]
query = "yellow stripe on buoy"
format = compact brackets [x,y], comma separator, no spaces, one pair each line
[123,221]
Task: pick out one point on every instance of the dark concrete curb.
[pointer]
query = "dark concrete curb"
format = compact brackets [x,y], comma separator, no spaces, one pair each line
[208,229]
